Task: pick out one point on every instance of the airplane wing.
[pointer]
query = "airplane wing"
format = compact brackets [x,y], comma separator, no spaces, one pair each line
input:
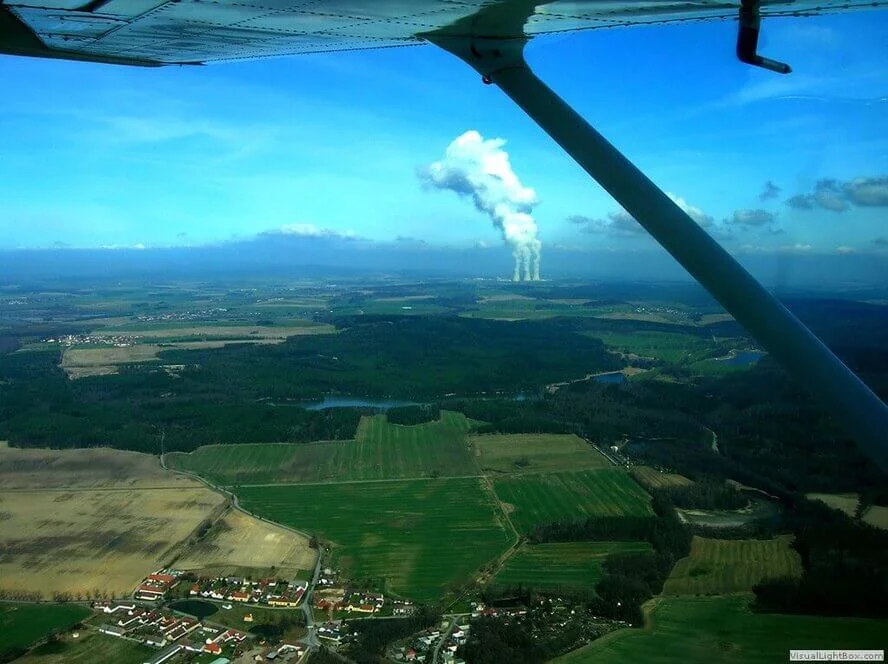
[164,32]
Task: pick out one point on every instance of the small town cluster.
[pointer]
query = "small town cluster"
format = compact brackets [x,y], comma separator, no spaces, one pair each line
[441,643]
[349,601]
[69,340]
[161,629]
[155,586]
[270,591]
[273,592]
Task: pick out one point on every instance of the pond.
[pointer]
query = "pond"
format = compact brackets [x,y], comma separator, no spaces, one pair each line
[759,510]
[195,607]
[330,401]
[615,378]
[743,358]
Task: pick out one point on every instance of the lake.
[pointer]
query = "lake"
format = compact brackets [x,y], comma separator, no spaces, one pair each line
[615,378]
[330,401]
[744,358]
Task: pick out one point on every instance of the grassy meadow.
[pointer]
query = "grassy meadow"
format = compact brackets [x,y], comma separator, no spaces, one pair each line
[420,536]
[90,648]
[716,630]
[528,452]
[146,342]
[561,564]
[874,515]
[535,499]
[727,566]
[651,478]
[671,347]
[381,450]
[22,625]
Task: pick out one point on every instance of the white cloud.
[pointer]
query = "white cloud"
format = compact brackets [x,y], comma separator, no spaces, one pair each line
[480,169]
[622,224]
[138,246]
[310,230]
[695,213]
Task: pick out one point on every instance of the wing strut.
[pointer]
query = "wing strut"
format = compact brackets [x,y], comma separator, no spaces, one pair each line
[748,38]
[501,61]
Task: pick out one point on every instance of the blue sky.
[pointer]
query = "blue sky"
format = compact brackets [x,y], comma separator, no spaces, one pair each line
[94,156]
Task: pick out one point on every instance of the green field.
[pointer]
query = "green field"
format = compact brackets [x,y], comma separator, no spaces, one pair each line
[381,451]
[671,347]
[422,536]
[90,648]
[568,496]
[526,308]
[568,564]
[701,630]
[529,452]
[22,625]
[726,566]
[391,308]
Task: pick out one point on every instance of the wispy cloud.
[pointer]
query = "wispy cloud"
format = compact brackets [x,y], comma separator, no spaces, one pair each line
[836,196]
[309,231]
[753,218]
[769,191]
[621,224]
[795,248]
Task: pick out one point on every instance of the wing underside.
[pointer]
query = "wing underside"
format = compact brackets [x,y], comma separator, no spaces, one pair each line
[158,32]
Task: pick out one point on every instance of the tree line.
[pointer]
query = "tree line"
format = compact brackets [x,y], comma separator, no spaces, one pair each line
[374,634]
[845,565]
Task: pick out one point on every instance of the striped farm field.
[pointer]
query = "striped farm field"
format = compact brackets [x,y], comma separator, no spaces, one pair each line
[569,496]
[718,567]
[397,450]
[421,536]
[651,478]
[561,564]
[535,452]
[381,451]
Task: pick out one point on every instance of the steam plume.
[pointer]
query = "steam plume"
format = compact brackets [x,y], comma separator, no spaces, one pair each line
[480,169]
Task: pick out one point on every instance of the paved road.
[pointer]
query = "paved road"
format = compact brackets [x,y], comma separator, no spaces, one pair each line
[310,639]
[437,651]
[234,500]
[604,452]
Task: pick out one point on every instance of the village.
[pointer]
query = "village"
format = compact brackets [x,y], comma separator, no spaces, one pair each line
[433,645]
[69,340]
[157,615]
[149,621]
[273,592]
[170,633]
[334,604]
